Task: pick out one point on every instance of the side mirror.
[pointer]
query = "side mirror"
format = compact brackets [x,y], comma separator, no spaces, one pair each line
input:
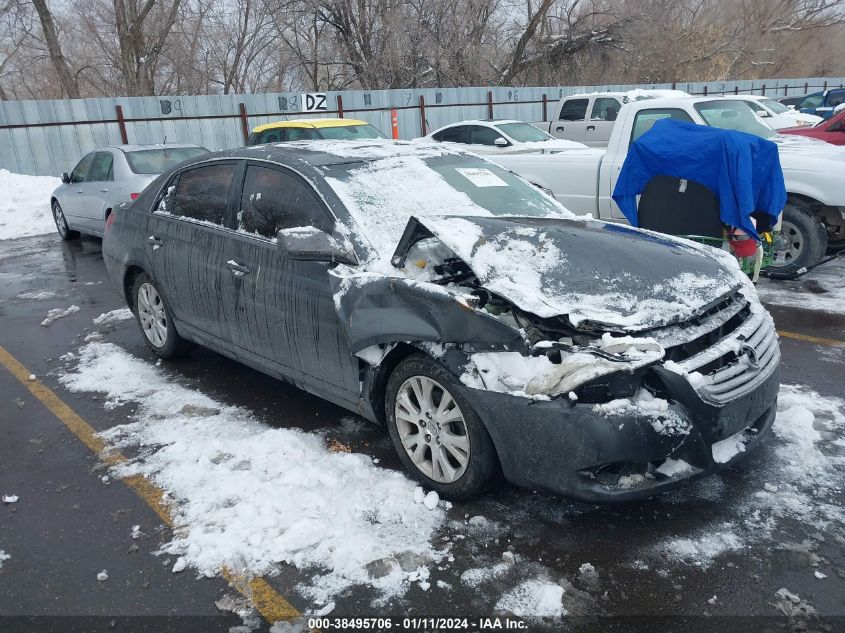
[501,142]
[763,113]
[65,178]
[305,243]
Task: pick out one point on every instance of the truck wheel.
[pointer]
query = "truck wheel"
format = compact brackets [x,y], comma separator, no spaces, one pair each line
[802,240]
[439,437]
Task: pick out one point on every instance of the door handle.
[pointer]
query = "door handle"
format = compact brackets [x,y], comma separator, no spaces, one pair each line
[559,128]
[104,190]
[591,128]
[238,270]
[79,191]
[155,242]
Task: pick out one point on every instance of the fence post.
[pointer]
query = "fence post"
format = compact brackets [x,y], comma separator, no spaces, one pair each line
[489,104]
[244,122]
[764,90]
[545,108]
[121,123]
[806,87]
[705,90]
[825,85]
[394,123]
[736,90]
[422,116]
[340,106]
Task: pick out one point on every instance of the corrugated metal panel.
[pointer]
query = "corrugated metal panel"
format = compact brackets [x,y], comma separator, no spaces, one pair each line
[213,120]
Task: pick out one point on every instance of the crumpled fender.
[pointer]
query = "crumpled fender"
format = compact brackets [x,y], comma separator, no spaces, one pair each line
[377,309]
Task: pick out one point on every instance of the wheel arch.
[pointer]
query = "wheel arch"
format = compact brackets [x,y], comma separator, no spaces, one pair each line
[129,276]
[381,374]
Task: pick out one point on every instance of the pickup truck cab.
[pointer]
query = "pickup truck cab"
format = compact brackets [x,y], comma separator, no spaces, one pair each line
[589,118]
[822,103]
[583,179]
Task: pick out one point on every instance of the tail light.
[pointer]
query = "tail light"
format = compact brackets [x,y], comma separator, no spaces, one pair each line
[134,196]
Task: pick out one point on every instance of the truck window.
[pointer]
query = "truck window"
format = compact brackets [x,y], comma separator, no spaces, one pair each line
[574,110]
[605,109]
[836,98]
[646,118]
[811,101]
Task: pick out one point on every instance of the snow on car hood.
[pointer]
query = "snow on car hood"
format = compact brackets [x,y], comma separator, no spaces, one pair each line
[594,273]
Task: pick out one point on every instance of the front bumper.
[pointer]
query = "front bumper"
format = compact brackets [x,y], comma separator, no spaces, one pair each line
[555,445]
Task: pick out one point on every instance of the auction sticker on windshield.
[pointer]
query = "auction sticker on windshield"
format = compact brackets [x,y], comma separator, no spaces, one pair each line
[481,177]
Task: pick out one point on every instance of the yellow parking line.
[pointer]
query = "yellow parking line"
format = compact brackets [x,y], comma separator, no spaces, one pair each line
[812,339]
[264,598]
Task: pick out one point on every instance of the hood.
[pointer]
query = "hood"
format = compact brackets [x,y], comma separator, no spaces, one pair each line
[797,148]
[600,276]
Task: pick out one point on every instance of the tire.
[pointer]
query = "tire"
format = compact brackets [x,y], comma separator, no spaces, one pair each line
[61,223]
[155,320]
[802,240]
[428,433]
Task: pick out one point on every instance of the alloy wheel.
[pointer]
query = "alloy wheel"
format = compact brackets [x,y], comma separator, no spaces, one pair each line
[432,429]
[59,219]
[152,315]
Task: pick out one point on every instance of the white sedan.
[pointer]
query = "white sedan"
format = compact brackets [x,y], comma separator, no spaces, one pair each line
[777,115]
[504,136]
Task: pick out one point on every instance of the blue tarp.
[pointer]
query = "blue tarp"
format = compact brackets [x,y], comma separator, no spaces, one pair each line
[743,170]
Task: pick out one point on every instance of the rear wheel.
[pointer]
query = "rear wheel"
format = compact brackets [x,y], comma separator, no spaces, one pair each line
[61,223]
[155,320]
[437,434]
[802,240]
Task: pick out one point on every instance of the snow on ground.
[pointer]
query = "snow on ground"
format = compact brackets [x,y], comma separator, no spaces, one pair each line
[3,557]
[58,313]
[822,289]
[252,497]
[115,316]
[802,482]
[534,598]
[25,205]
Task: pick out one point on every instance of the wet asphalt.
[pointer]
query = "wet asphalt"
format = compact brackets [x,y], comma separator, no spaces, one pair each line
[70,523]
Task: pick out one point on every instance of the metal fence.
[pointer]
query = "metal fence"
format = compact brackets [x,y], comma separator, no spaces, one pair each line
[49,137]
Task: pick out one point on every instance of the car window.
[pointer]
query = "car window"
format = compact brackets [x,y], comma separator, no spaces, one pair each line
[271,136]
[524,133]
[273,200]
[455,134]
[349,132]
[733,115]
[574,110]
[157,161]
[605,109]
[811,101]
[836,98]
[774,106]
[484,135]
[646,118]
[101,168]
[201,193]
[81,171]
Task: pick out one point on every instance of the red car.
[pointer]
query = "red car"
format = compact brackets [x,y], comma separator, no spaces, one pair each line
[832,130]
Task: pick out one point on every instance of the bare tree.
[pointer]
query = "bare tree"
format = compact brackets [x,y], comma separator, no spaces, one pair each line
[60,64]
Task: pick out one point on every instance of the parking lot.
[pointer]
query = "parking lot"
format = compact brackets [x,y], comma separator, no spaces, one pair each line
[763,539]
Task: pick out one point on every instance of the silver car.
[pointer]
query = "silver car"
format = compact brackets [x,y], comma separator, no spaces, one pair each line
[107,177]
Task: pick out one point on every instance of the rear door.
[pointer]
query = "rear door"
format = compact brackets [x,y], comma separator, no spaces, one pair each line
[281,312]
[571,121]
[186,244]
[602,117]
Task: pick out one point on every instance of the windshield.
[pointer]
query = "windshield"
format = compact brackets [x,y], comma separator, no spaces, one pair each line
[775,106]
[349,132]
[156,161]
[383,194]
[733,115]
[523,132]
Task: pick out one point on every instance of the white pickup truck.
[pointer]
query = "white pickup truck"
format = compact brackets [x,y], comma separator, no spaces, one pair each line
[814,216]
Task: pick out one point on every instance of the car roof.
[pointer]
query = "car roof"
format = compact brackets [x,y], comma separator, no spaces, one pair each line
[308,123]
[137,148]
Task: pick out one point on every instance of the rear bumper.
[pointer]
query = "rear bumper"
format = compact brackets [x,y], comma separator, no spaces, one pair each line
[559,446]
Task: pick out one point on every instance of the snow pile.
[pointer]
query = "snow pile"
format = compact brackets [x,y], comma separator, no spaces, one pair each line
[58,313]
[534,598]
[702,551]
[251,497]
[25,205]
[114,316]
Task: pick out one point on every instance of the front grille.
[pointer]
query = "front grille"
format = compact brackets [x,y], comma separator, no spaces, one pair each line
[734,347]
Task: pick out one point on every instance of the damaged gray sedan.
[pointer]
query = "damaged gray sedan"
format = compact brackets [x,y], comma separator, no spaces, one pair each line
[493,332]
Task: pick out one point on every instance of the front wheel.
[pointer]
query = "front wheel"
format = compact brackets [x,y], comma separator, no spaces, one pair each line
[155,320]
[802,240]
[439,437]
[61,223]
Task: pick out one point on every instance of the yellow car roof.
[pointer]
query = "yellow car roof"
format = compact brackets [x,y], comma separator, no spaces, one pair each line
[309,123]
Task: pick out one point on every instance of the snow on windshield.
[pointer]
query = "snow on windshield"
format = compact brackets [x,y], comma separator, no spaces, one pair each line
[383,194]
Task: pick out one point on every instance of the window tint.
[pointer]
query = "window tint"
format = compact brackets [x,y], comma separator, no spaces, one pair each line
[82,169]
[101,169]
[574,110]
[646,118]
[274,200]
[457,134]
[271,136]
[605,109]
[201,193]
[484,135]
